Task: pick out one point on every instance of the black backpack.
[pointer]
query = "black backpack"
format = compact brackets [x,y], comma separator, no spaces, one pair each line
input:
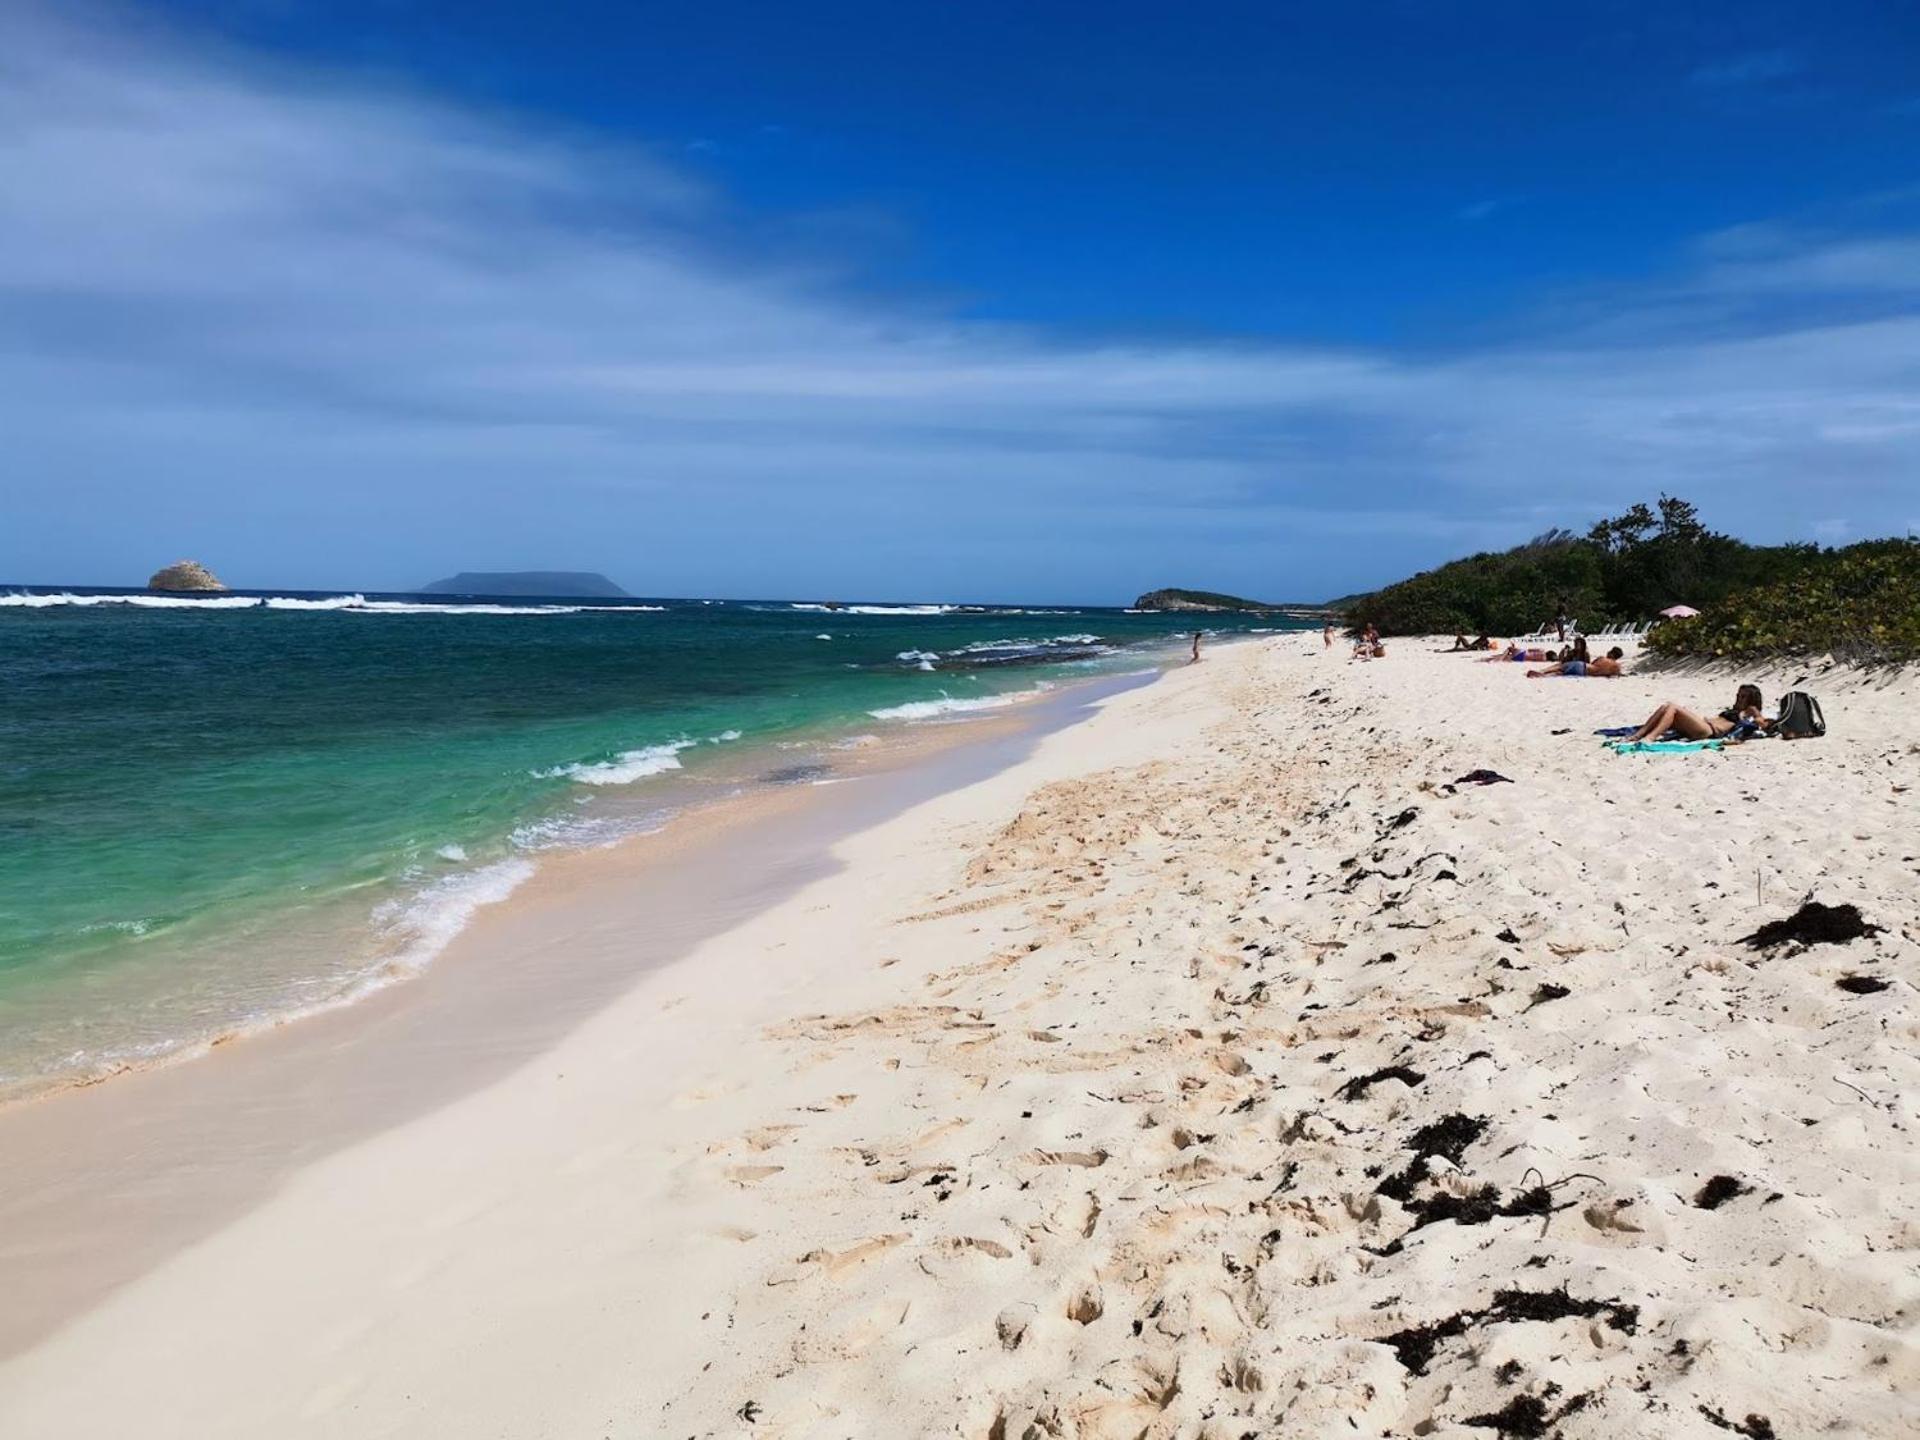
[1800,716]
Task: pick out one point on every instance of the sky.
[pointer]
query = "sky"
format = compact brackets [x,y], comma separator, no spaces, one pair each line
[1033,302]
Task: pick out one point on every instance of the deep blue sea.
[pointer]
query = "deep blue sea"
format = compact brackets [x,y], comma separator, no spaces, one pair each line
[220,810]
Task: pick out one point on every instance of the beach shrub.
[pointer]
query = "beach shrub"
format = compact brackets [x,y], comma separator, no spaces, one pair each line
[1862,602]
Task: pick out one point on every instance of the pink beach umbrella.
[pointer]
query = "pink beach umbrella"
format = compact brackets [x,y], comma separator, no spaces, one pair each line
[1679,612]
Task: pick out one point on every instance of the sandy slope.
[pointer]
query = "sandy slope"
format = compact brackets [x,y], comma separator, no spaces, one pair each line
[1087,1103]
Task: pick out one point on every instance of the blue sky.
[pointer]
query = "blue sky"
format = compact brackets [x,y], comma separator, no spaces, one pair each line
[1025,302]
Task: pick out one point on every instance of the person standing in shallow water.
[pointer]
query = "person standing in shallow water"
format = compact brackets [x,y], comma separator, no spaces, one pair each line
[1196,649]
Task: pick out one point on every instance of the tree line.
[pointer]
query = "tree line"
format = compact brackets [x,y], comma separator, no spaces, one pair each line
[1753,598]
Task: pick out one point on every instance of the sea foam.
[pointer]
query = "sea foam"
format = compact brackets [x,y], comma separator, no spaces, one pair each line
[624,768]
[877,609]
[953,705]
[355,604]
[422,924]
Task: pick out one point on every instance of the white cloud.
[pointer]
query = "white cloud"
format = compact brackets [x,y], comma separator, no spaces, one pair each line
[286,323]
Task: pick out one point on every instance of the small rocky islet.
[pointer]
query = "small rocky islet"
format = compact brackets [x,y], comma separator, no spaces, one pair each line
[188,575]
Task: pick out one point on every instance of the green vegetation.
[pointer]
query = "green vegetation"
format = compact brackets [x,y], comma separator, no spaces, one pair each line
[1491,594]
[1860,603]
[1755,599]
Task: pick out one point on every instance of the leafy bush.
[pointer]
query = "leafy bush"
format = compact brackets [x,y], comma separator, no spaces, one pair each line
[1861,602]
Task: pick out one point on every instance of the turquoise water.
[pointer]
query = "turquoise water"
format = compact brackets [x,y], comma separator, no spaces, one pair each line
[215,812]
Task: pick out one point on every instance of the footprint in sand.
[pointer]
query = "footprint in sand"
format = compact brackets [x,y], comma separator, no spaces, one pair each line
[836,1262]
[1087,1159]
[1087,1304]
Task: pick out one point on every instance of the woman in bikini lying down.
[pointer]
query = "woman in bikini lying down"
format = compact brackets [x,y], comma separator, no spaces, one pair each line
[1746,709]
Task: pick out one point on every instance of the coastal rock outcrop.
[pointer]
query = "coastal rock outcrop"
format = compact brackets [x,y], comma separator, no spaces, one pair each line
[1203,600]
[185,575]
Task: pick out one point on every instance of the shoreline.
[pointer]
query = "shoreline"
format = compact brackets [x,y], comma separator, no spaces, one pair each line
[140,938]
[1123,1090]
[434,914]
[65,1140]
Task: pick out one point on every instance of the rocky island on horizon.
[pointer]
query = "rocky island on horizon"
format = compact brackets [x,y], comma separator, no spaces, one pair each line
[185,575]
[1199,600]
[547,584]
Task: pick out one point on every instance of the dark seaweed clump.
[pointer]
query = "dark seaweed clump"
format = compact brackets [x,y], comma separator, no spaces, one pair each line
[1444,1137]
[1526,1417]
[1862,984]
[1754,1427]
[1717,1191]
[1416,1346]
[1812,924]
[1546,992]
[1449,1138]
[1358,1085]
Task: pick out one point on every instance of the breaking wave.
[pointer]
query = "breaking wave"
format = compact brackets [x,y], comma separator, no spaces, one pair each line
[953,705]
[355,604]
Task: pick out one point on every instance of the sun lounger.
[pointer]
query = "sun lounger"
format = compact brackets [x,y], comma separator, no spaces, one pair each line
[1548,631]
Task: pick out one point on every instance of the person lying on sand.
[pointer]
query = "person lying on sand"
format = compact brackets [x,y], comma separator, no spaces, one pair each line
[1607,665]
[1746,709]
[1515,652]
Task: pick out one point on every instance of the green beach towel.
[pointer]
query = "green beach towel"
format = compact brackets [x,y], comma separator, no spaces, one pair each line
[1663,747]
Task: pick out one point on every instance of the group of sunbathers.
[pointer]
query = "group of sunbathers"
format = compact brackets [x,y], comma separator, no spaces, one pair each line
[1571,660]
[1741,721]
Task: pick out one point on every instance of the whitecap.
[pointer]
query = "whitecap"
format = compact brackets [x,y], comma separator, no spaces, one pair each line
[624,768]
[351,604]
[18,599]
[876,609]
[953,705]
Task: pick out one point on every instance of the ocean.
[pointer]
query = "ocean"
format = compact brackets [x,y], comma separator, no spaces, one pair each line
[216,812]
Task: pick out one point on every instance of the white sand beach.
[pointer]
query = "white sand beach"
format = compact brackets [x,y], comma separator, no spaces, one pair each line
[1221,1069]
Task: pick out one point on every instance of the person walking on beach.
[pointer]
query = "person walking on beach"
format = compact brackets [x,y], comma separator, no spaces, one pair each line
[1560,618]
[1326,636]
[1196,649]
